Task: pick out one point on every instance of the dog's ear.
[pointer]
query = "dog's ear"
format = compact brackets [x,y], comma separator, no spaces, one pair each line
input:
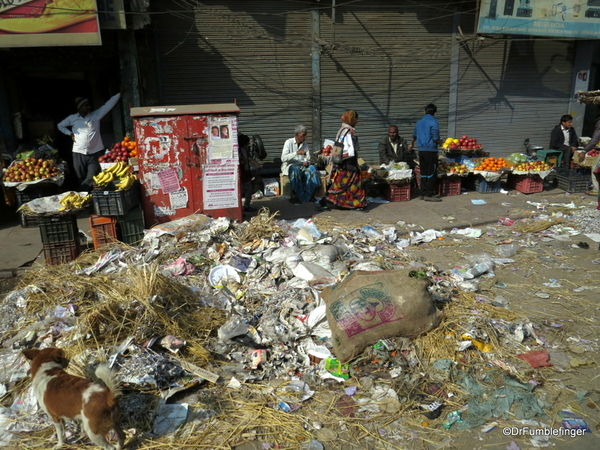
[59,356]
[31,353]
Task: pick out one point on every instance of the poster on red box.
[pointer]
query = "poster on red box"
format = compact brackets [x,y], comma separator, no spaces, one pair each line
[169,182]
[220,186]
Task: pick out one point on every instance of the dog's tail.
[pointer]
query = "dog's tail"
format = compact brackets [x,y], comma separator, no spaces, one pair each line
[107,375]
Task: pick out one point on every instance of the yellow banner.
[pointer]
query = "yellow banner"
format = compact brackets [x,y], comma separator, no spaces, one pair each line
[48,23]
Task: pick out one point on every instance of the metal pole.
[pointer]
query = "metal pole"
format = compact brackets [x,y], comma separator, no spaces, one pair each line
[316,83]
[333,21]
[454,61]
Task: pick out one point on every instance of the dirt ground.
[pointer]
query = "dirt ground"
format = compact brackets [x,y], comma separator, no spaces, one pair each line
[537,262]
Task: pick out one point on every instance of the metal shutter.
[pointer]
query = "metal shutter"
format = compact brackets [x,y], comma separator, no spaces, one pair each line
[510,90]
[255,53]
[387,61]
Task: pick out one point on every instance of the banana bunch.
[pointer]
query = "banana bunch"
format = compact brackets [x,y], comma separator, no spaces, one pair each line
[103,178]
[126,181]
[120,170]
[46,139]
[74,201]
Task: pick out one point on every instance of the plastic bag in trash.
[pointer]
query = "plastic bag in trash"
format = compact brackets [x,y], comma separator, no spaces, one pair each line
[480,264]
[309,226]
[506,250]
[425,236]
[236,331]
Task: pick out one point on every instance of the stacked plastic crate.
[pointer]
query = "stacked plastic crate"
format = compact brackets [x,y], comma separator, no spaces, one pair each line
[29,194]
[118,217]
[59,238]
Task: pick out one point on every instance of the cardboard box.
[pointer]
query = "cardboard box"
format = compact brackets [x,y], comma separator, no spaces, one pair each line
[580,157]
[271,187]
[285,189]
[134,162]
[105,166]
[590,161]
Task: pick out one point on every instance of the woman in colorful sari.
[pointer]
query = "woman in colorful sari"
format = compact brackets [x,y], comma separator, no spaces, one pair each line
[345,187]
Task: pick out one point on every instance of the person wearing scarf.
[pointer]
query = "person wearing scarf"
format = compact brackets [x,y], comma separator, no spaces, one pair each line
[345,189]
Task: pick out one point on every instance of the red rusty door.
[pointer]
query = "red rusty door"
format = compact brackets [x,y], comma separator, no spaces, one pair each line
[182,169]
[169,166]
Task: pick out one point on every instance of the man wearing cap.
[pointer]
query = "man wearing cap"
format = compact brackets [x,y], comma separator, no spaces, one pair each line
[84,129]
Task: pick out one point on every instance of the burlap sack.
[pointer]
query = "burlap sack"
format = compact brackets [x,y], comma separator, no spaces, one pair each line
[369,306]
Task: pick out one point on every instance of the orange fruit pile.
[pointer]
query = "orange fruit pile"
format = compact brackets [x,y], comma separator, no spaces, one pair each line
[130,145]
[492,164]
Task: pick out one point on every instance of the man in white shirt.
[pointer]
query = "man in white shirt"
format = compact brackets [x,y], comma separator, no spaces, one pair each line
[84,129]
[295,163]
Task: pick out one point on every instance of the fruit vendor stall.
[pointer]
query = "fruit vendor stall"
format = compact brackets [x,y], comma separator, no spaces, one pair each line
[32,174]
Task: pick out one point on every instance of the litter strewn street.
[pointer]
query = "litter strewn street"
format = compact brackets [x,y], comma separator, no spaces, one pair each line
[222,337]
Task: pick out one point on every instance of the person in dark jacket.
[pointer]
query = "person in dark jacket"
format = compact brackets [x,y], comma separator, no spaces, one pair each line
[564,138]
[393,148]
[427,137]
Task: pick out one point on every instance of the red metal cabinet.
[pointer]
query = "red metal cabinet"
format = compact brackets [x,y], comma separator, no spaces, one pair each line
[183,167]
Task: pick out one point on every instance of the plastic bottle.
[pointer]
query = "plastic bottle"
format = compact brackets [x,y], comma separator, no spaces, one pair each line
[478,269]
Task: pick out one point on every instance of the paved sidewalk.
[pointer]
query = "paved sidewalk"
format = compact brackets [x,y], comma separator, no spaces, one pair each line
[23,246]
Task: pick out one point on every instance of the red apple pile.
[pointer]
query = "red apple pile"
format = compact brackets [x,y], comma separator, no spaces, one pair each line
[326,151]
[593,153]
[467,143]
[31,169]
[117,153]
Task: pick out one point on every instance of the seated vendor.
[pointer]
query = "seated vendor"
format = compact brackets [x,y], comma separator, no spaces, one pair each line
[393,148]
[564,138]
[295,163]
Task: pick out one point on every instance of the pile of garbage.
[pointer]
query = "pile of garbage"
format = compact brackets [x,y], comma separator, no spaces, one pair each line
[279,332]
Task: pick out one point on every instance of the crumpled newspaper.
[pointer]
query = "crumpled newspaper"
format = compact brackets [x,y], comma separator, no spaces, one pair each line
[425,236]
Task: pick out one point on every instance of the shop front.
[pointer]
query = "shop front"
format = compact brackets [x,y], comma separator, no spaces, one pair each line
[386,60]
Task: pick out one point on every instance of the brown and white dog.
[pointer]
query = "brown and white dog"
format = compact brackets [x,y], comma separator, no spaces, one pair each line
[63,396]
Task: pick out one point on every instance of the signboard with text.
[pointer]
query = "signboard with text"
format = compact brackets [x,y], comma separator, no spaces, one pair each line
[48,23]
[549,18]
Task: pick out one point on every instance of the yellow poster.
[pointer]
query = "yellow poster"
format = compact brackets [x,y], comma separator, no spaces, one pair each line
[43,23]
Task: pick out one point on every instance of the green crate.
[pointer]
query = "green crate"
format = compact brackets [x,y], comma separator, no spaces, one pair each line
[27,195]
[131,226]
[29,221]
[116,203]
[58,228]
